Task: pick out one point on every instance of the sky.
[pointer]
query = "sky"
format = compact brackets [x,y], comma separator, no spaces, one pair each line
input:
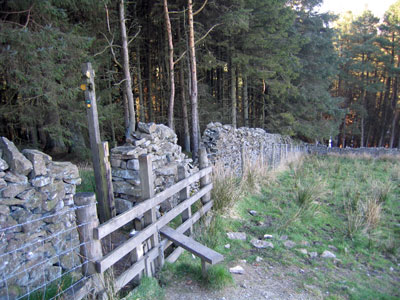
[378,7]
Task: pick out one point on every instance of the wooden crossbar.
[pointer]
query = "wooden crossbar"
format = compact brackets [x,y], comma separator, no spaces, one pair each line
[187,243]
[119,252]
[124,218]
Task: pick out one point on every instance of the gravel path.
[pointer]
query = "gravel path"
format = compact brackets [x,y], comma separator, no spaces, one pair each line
[258,282]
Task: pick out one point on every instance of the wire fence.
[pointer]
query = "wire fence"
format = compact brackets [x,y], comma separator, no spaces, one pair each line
[40,258]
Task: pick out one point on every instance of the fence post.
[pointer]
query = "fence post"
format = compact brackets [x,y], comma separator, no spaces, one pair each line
[146,183]
[183,195]
[262,155]
[273,155]
[203,160]
[105,210]
[90,249]
[243,158]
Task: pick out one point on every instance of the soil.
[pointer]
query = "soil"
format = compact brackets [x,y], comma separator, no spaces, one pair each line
[260,281]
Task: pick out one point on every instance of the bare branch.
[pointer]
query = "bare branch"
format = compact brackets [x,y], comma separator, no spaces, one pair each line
[198,41]
[201,8]
[136,35]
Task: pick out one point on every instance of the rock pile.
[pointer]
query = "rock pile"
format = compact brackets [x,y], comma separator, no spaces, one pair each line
[224,144]
[37,220]
[161,142]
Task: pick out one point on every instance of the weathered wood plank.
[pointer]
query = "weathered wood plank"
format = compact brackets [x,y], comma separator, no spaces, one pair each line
[139,266]
[191,245]
[124,218]
[112,257]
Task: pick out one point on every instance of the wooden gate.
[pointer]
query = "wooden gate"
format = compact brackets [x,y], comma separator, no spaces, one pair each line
[149,245]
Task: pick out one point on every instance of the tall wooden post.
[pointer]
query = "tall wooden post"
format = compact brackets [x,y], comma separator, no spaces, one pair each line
[273,156]
[183,195]
[146,184]
[90,249]
[203,160]
[243,158]
[105,196]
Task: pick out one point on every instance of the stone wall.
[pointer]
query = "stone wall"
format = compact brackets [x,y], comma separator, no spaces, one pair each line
[38,236]
[159,141]
[224,144]
[375,152]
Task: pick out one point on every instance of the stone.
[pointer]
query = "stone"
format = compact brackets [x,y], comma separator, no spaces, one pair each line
[289,244]
[41,181]
[303,251]
[53,273]
[35,200]
[283,238]
[63,170]
[123,187]
[328,254]
[236,270]
[69,188]
[3,183]
[139,142]
[122,205]
[133,164]
[4,210]
[115,163]
[11,201]
[148,128]
[125,174]
[261,244]
[12,190]
[268,236]
[50,204]
[169,170]
[227,246]
[74,181]
[236,236]
[15,178]
[332,248]
[2,174]
[259,259]
[38,160]
[127,152]
[17,163]
[69,200]
[253,212]
[54,191]
[313,254]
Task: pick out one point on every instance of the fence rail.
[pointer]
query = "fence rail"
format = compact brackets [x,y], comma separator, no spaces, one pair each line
[146,247]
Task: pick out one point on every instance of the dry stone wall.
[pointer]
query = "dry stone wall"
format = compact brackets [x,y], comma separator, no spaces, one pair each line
[37,220]
[161,142]
[224,145]
[375,152]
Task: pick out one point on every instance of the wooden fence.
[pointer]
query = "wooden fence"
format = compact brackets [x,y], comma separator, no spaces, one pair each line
[148,248]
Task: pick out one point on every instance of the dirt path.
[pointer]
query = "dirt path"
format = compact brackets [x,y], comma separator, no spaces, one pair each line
[260,281]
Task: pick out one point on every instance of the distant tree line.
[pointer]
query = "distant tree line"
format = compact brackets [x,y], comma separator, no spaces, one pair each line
[278,65]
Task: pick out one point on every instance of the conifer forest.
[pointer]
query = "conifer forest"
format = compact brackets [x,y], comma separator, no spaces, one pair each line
[279,65]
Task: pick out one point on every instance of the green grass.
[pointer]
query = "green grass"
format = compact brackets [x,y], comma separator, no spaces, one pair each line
[88,182]
[348,203]
[149,289]
[53,289]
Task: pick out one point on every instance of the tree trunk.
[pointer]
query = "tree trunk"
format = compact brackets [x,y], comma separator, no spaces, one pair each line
[245,101]
[171,67]
[232,91]
[127,74]
[193,95]
[185,119]
[394,107]
[140,83]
